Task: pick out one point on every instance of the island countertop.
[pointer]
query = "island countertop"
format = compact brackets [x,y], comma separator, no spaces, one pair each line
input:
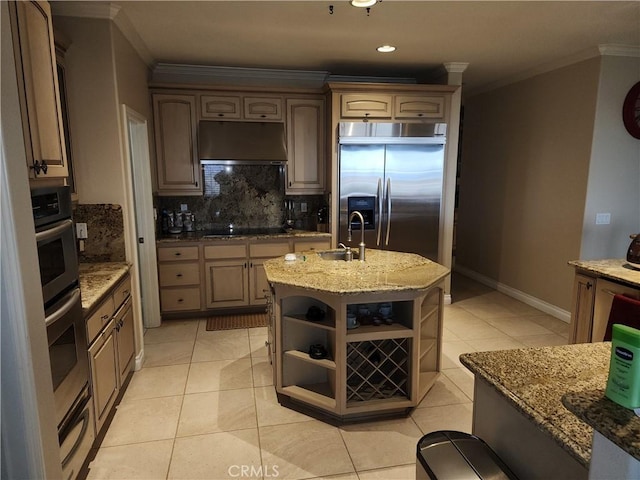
[534,381]
[383,271]
[96,279]
[616,269]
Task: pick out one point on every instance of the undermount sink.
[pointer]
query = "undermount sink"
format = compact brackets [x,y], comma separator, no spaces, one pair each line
[336,255]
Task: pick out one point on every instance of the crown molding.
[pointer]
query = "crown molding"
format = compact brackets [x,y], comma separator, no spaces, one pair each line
[105,11]
[456,67]
[207,74]
[619,50]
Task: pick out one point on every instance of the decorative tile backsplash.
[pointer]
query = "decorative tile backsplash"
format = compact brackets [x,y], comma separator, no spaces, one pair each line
[248,196]
[105,232]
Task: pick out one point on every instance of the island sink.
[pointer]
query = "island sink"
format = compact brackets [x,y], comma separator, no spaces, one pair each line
[337,255]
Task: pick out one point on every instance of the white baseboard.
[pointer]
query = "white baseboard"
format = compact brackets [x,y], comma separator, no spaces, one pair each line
[447,299]
[139,361]
[530,300]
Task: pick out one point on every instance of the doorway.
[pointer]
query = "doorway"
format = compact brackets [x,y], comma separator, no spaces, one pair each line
[141,203]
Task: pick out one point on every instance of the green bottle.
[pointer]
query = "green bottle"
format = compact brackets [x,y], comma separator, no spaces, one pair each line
[623,385]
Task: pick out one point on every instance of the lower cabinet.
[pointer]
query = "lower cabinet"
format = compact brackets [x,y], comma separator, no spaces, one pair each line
[212,274]
[111,340]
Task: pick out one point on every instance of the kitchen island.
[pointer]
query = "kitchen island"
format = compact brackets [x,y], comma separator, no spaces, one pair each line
[381,363]
[518,406]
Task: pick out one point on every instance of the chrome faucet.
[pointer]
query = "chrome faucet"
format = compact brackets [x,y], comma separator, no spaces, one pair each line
[356,213]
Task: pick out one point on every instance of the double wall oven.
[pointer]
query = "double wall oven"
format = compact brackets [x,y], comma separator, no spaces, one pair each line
[66,330]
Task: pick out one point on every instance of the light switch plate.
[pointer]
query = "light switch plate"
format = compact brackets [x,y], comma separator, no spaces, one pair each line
[183,207]
[303,207]
[603,218]
[81,230]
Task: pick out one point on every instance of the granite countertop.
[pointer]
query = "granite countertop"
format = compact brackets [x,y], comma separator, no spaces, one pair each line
[383,271]
[199,236]
[535,380]
[96,279]
[615,422]
[612,268]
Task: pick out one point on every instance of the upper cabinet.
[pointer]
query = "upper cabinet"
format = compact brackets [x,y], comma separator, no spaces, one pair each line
[305,145]
[382,106]
[38,83]
[241,107]
[176,126]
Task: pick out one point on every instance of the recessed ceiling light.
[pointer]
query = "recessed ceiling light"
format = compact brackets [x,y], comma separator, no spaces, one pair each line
[386,48]
[363,3]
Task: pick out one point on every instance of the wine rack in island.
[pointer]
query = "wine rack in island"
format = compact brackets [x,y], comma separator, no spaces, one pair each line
[383,363]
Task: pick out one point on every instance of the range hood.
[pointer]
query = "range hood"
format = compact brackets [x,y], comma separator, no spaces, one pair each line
[241,142]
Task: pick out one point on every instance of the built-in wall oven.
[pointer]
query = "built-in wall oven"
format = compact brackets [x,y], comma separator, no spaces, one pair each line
[66,330]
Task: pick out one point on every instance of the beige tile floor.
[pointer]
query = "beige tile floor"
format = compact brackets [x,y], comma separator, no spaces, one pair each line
[203,406]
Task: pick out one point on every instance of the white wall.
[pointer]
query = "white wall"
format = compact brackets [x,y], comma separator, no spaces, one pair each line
[614,171]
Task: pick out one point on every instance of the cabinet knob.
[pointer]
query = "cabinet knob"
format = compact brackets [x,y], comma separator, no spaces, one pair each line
[221,114]
[179,275]
[180,300]
[589,285]
[177,254]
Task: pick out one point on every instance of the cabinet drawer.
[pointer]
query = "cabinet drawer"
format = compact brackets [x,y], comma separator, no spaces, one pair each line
[268,249]
[315,245]
[167,254]
[258,108]
[218,106]
[122,291]
[357,105]
[411,106]
[176,299]
[100,318]
[178,274]
[215,252]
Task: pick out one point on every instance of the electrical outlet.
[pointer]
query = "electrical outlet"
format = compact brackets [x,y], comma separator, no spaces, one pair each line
[303,207]
[603,218]
[81,230]
[183,207]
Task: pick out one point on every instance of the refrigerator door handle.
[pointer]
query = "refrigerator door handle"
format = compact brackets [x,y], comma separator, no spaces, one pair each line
[380,216]
[388,195]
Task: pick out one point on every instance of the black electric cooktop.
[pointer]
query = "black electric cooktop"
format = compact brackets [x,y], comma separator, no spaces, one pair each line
[238,232]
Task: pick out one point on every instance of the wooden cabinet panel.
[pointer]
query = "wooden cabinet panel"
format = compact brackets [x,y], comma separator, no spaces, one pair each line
[179,299]
[218,106]
[306,146]
[38,82]
[301,246]
[125,341]
[413,106]
[582,312]
[215,252]
[104,374]
[361,105]
[99,318]
[227,283]
[262,108]
[168,254]
[179,274]
[175,123]
[122,292]
[257,250]
[258,284]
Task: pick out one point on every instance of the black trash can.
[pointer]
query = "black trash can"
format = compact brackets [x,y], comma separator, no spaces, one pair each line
[450,455]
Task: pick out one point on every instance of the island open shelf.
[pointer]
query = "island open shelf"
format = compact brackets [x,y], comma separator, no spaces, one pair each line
[383,365]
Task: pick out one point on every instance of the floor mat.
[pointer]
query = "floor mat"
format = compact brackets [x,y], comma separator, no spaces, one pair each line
[242,320]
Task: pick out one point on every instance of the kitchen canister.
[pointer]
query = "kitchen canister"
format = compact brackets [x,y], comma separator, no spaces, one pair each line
[623,384]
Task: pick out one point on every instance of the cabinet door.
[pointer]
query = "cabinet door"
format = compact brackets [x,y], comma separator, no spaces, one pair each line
[306,146]
[217,106]
[42,115]
[582,312]
[258,284]
[227,283]
[259,108]
[413,106]
[104,372]
[175,125]
[126,342]
[359,105]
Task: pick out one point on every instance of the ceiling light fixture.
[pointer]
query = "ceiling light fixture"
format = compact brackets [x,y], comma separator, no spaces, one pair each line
[363,3]
[386,48]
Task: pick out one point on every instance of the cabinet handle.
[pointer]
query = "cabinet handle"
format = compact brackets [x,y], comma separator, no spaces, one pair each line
[221,114]
[125,293]
[589,285]
[179,275]
[104,317]
[38,167]
[177,254]
[180,300]
[420,114]
[263,116]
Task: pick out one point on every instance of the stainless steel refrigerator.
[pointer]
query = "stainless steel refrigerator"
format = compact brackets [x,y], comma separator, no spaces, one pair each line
[392,173]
